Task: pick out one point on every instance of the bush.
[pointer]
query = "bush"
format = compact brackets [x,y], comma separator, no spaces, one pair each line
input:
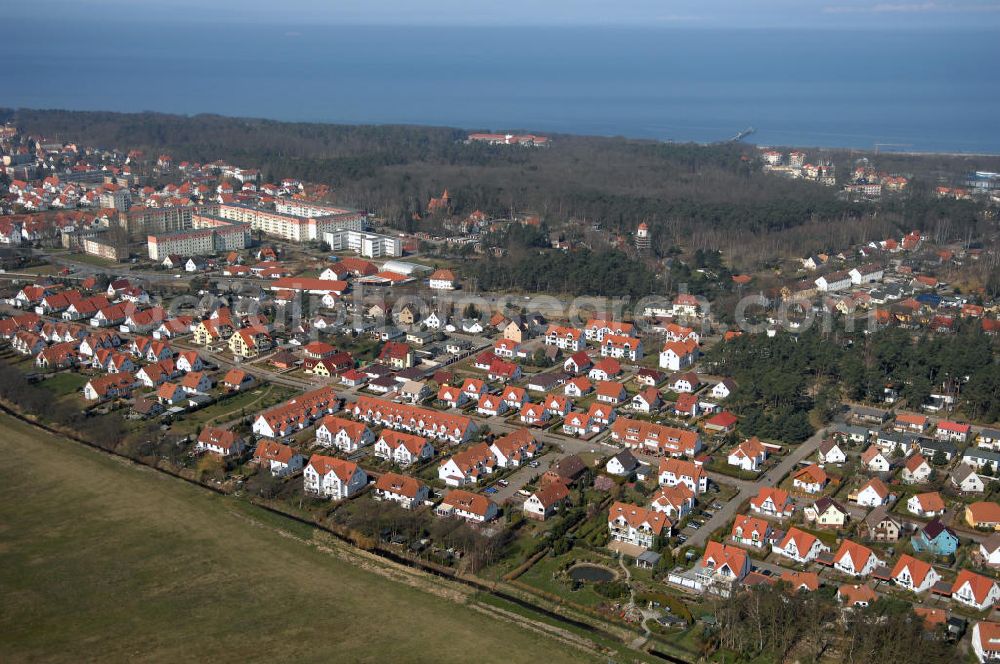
[611,589]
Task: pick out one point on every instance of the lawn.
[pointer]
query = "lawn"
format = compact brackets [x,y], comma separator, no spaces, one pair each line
[540,576]
[251,402]
[65,383]
[101,560]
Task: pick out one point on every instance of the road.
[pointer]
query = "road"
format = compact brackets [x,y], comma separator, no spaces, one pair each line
[748,490]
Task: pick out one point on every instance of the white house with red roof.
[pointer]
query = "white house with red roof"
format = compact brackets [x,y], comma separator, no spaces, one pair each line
[402,448]
[678,355]
[957,432]
[597,329]
[544,502]
[403,490]
[800,546]
[564,338]
[468,466]
[913,574]
[343,434]
[220,442]
[491,405]
[855,559]
[278,458]
[442,279]
[515,448]
[986,641]
[751,531]
[578,362]
[535,414]
[674,501]
[621,347]
[675,471]
[453,396]
[873,493]
[467,505]
[637,525]
[333,478]
[975,590]
[748,455]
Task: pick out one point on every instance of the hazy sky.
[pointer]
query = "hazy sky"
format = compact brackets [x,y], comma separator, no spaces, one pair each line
[648,13]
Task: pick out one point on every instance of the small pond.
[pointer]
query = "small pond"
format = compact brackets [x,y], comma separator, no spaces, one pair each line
[592,573]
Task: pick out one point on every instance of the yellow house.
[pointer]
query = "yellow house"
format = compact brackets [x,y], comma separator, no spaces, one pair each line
[210,331]
[514,332]
[983,515]
[248,343]
[407,315]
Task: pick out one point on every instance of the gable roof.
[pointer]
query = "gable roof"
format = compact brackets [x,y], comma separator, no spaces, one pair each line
[323,465]
[402,485]
[918,569]
[636,516]
[979,584]
[858,554]
[718,555]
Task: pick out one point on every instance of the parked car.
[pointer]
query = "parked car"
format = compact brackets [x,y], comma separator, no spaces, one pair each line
[504,483]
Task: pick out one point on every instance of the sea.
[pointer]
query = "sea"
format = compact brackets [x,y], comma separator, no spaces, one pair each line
[906,90]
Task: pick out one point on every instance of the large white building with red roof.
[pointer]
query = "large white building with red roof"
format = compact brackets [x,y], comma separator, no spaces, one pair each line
[333,478]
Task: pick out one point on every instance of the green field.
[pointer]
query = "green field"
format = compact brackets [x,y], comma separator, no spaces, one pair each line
[65,383]
[252,401]
[102,560]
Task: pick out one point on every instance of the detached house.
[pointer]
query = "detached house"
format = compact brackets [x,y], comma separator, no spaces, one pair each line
[402,448]
[773,502]
[984,515]
[914,575]
[855,559]
[916,470]
[935,538]
[678,355]
[402,490]
[800,546]
[874,460]
[468,466]
[637,525]
[830,452]
[110,386]
[544,502]
[491,405]
[220,442]
[674,501]
[344,434]
[953,431]
[622,464]
[873,493]
[577,363]
[748,455]
[810,479]
[880,526]
[827,512]
[278,458]
[751,531]
[964,478]
[469,506]
[975,590]
[926,504]
[333,478]
[675,471]
[515,448]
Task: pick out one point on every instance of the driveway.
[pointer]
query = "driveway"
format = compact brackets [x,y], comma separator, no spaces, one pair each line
[750,489]
[522,476]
